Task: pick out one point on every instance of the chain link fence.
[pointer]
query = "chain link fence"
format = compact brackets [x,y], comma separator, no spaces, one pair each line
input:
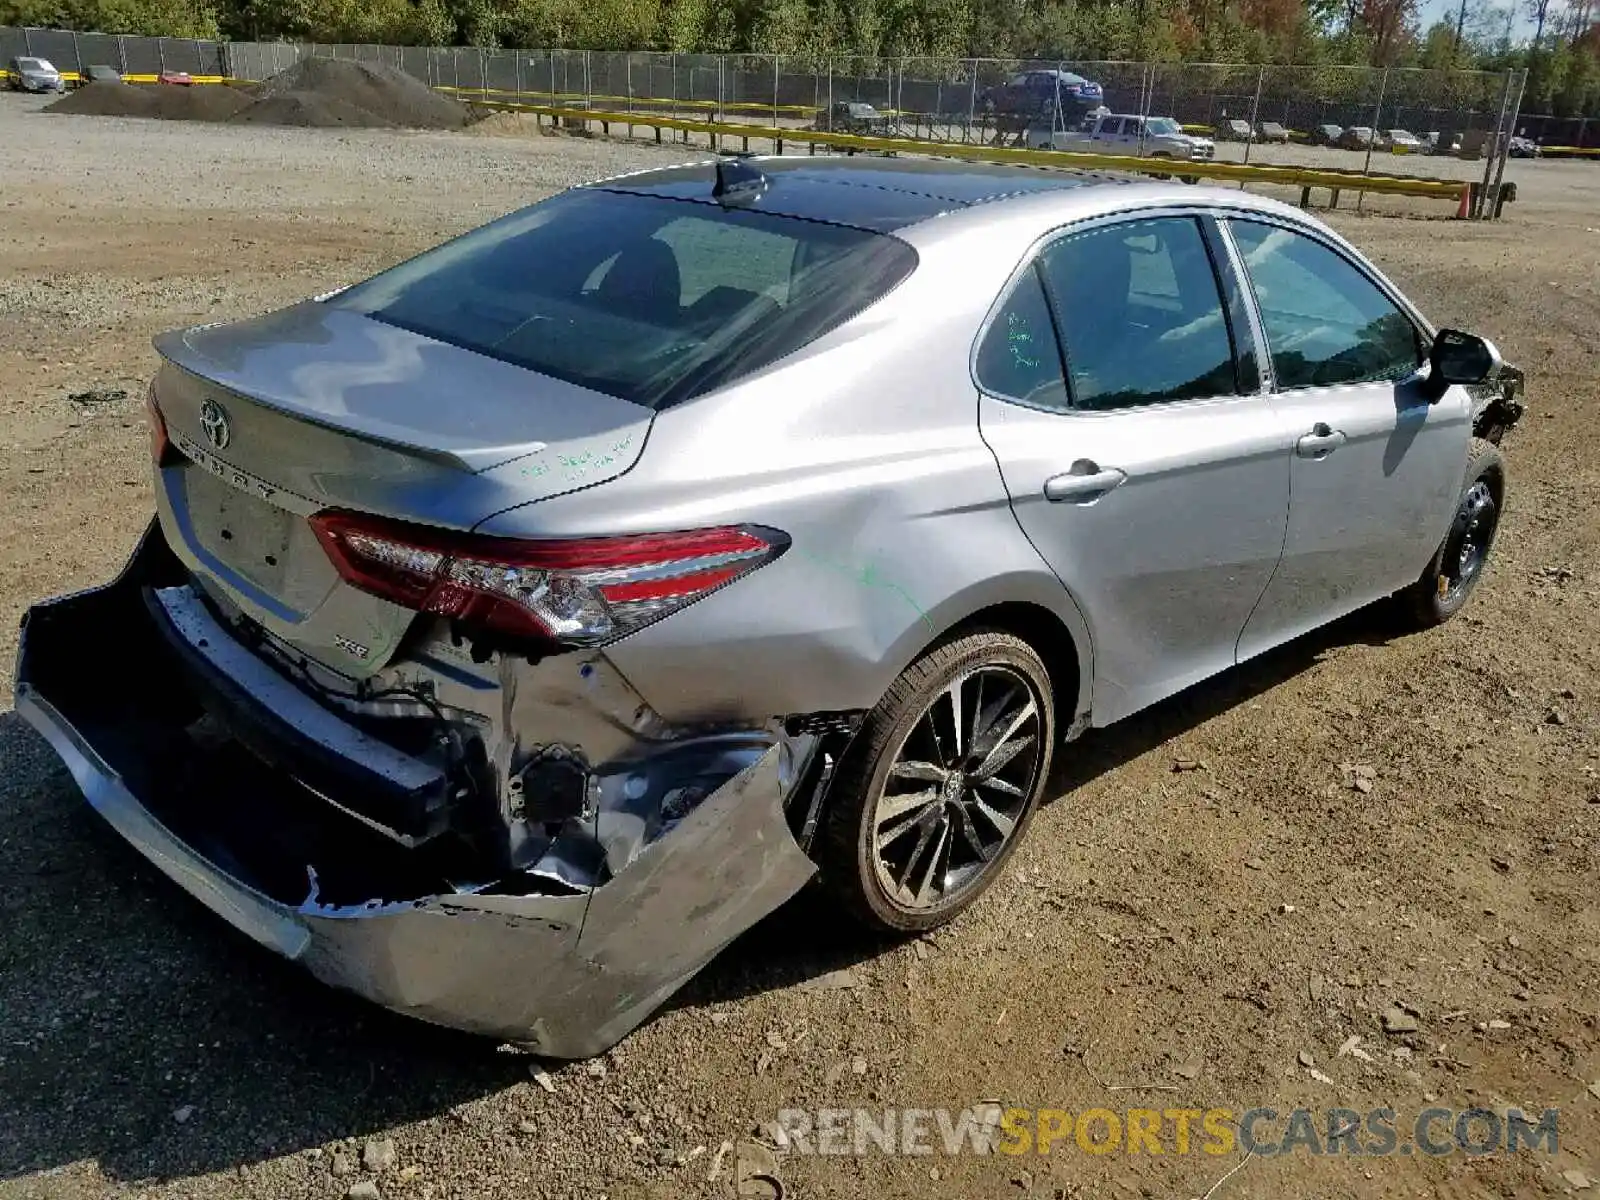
[128,53]
[1252,111]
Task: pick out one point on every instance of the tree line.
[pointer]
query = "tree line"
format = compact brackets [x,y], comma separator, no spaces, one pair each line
[1562,56]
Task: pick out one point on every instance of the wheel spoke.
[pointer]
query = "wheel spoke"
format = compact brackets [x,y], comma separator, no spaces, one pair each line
[1002,823]
[923,772]
[916,854]
[892,807]
[969,834]
[935,870]
[953,693]
[999,785]
[1004,750]
[1000,756]
[985,722]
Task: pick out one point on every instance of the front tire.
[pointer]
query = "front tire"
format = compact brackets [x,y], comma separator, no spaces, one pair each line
[940,784]
[1453,572]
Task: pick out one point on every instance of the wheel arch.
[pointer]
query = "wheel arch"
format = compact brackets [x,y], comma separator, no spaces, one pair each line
[1051,639]
[1040,612]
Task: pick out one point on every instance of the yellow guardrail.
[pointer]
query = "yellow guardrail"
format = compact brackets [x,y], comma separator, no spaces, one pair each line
[743,106]
[1302,177]
[72,77]
[1569,151]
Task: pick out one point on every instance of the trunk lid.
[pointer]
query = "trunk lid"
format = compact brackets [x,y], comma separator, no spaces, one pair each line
[313,408]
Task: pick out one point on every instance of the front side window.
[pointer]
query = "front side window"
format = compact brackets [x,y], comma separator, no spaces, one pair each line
[650,299]
[1326,322]
[1140,314]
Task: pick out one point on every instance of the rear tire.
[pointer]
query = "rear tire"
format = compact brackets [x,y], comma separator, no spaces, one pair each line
[939,784]
[1453,572]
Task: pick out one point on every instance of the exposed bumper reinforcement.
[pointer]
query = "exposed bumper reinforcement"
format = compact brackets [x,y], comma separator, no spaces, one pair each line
[569,974]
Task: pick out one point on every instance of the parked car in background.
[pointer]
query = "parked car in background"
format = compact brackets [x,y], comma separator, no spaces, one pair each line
[99,74]
[852,116]
[1235,131]
[1402,141]
[1271,131]
[1120,133]
[1521,147]
[491,653]
[1357,137]
[1442,143]
[30,74]
[1027,95]
[180,78]
[1325,135]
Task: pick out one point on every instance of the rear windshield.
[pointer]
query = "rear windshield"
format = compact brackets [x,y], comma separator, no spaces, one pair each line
[650,299]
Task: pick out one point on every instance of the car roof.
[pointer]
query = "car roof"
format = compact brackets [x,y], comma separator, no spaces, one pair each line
[878,194]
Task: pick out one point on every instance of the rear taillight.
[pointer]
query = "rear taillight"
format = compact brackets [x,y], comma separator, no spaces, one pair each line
[579,592]
[160,446]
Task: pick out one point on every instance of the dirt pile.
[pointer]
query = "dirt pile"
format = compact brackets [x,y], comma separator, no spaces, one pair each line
[506,124]
[309,110]
[314,93]
[106,100]
[209,102]
[163,102]
[326,89]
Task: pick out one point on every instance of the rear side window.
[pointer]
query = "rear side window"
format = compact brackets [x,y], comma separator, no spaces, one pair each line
[650,299]
[1326,322]
[1019,357]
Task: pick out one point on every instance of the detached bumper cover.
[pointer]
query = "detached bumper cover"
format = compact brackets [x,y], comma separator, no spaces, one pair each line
[569,974]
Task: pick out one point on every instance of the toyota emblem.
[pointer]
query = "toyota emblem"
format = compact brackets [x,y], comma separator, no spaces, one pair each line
[214,424]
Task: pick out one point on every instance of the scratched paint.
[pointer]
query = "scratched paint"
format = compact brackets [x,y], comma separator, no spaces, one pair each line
[871,576]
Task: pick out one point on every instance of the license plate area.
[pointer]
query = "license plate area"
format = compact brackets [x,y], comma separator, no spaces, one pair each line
[246,534]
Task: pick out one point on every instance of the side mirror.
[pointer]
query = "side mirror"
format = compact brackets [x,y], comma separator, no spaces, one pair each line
[1463,358]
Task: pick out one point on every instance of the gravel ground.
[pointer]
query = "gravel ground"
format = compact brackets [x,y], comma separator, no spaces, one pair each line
[1374,820]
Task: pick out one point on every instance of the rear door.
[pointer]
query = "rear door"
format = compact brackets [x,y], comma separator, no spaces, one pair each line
[1375,466]
[1140,454]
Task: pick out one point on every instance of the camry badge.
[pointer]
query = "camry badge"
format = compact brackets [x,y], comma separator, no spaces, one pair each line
[214,424]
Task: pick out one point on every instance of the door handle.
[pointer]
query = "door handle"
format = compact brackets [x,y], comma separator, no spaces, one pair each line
[1320,442]
[1084,484]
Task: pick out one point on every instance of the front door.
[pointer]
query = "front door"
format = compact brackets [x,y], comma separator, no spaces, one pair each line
[1141,457]
[1376,467]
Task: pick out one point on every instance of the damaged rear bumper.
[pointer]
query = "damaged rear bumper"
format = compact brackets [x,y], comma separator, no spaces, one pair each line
[570,974]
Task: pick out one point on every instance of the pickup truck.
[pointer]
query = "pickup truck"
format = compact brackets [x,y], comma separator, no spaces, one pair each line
[1117,133]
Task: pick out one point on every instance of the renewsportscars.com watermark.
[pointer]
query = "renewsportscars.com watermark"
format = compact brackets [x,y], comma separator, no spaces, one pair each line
[1264,1132]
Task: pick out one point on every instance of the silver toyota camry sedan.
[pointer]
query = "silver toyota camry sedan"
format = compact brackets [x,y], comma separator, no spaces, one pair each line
[520,625]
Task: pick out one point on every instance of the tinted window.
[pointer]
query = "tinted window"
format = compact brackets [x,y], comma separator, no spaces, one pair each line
[1019,357]
[1140,315]
[1326,322]
[645,298]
